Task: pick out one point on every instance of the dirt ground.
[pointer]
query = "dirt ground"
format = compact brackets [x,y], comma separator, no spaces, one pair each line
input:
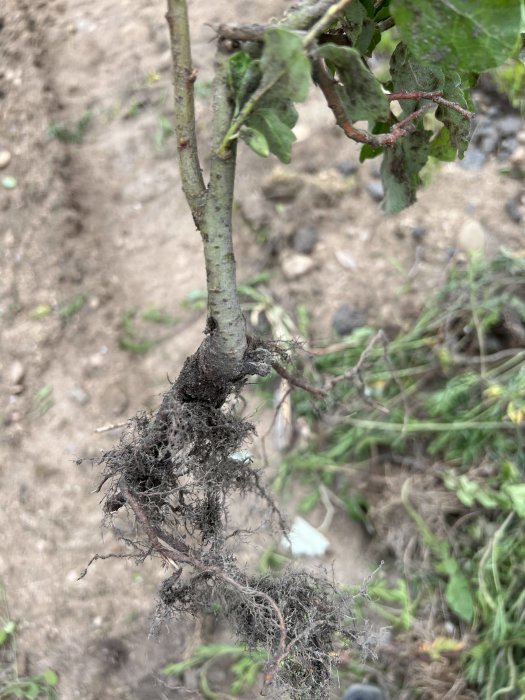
[105,222]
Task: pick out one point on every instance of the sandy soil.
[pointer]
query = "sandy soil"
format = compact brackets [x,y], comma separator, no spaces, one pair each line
[106,219]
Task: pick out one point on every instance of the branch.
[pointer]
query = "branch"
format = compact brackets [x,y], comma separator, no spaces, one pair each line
[183,79]
[298,19]
[297,381]
[436,96]
[329,88]
[325,21]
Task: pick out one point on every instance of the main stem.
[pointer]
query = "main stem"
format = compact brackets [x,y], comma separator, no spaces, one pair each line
[221,355]
[225,320]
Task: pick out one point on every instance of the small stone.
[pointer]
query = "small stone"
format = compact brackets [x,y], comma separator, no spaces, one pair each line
[509,125]
[347,168]
[5,158]
[375,190]
[346,259]
[514,209]
[16,373]
[363,691]
[346,319]
[419,232]
[471,236]
[305,239]
[507,147]
[486,139]
[9,182]
[473,160]
[282,186]
[520,136]
[80,395]
[294,266]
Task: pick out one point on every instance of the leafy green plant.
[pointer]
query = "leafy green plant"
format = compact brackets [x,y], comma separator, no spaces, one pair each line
[39,687]
[244,665]
[451,389]
[73,307]
[72,134]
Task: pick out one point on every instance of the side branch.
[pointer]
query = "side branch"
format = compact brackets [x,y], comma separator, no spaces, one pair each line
[329,88]
[183,79]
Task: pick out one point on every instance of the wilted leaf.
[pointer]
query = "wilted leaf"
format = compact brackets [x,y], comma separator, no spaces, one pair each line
[400,170]
[284,65]
[361,93]
[458,127]
[353,18]
[463,35]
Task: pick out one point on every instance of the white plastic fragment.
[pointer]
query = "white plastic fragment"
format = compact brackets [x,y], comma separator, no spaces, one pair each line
[305,540]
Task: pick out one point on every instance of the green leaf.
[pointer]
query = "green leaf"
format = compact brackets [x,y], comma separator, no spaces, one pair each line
[400,170]
[353,18]
[463,35]
[285,66]
[255,140]
[244,76]
[308,502]
[361,93]
[238,64]
[368,152]
[516,494]
[50,677]
[408,73]
[274,124]
[458,127]
[459,597]
[441,147]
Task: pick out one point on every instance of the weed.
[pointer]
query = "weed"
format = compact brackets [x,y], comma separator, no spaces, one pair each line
[245,666]
[39,687]
[43,400]
[74,134]
[129,339]
[156,315]
[163,132]
[73,307]
[449,390]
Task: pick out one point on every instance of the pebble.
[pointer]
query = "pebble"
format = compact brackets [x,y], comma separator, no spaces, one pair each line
[471,236]
[5,158]
[295,266]
[486,138]
[514,209]
[346,319]
[346,259]
[473,160]
[363,691]
[16,372]
[305,239]
[347,168]
[507,147]
[80,395]
[282,186]
[375,190]
[509,125]
[521,137]
[419,232]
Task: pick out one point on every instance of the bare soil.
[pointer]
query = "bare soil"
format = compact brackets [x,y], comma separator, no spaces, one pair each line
[105,221]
